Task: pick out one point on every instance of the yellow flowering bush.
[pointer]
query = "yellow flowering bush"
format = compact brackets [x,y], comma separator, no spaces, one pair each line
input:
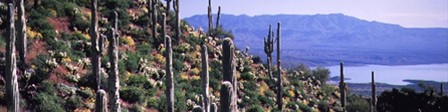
[33,34]
[194,71]
[128,40]
[159,58]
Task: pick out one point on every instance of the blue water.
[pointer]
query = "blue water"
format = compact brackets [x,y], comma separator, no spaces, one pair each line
[393,74]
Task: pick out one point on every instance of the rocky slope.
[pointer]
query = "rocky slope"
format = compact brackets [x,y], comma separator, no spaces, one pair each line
[59,77]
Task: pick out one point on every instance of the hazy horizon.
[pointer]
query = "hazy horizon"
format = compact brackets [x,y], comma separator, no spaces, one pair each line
[415,14]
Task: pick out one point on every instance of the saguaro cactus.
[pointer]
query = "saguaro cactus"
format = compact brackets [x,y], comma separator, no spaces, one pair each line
[169,70]
[177,9]
[279,76]
[228,63]
[213,108]
[268,49]
[168,7]
[153,8]
[197,108]
[95,49]
[114,81]
[218,18]
[342,86]
[210,18]
[149,6]
[12,89]
[101,101]
[227,100]
[205,78]
[441,89]
[373,100]
[21,32]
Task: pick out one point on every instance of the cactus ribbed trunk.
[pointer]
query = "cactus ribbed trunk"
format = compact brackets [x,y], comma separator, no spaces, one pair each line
[210,18]
[95,50]
[228,64]
[279,76]
[96,47]
[205,78]
[268,49]
[218,18]
[227,99]
[101,101]
[197,108]
[169,70]
[149,7]
[21,33]
[153,8]
[168,7]
[342,86]
[114,81]
[177,10]
[373,100]
[213,107]
[12,89]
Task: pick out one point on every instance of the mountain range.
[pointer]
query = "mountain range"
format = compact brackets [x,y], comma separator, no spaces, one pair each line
[325,40]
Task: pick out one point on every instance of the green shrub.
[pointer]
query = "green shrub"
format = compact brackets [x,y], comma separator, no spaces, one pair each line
[256,59]
[138,81]
[321,74]
[256,108]
[323,106]
[86,92]
[73,102]
[45,102]
[221,33]
[247,76]
[247,69]
[305,108]
[88,80]
[179,103]
[80,23]
[132,62]
[265,100]
[356,103]
[42,71]
[153,102]
[132,94]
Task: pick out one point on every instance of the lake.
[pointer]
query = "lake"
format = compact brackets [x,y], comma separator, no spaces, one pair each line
[393,74]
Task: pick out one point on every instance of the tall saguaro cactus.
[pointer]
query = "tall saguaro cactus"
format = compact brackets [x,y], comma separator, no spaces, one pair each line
[213,107]
[168,7]
[96,47]
[176,10]
[197,108]
[279,76]
[114,81]
[205,78]
[218,18]
[373,100]
[210,18]
[12,89]
[268,49]
[101,101]
[227,99]
[228,64]
[21,32]
[153,8]
[342,86]
[441,89]
[169,70]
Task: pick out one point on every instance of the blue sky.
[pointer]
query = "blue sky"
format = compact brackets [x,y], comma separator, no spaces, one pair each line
[407,13]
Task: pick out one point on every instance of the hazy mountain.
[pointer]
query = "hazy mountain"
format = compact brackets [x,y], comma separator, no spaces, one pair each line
[322,40]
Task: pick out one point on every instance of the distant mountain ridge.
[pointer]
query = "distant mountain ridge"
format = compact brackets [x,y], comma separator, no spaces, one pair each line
[323,40]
